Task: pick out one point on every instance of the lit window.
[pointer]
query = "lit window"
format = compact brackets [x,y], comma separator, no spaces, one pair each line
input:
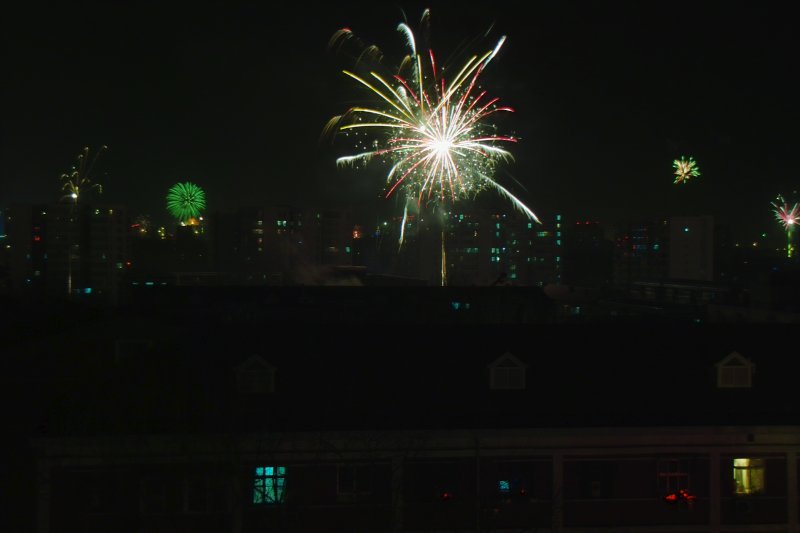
[504,486]
[748,476]
[269,485]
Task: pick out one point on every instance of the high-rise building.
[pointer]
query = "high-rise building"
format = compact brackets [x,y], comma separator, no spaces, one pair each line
[641,252]
[691,248]
[588,255]
[496,248]
[68,250]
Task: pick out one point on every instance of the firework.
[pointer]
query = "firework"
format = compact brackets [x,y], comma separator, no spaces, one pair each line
[185,201]
[432,131]
[685,169]
[78,180]
[141,224]
[789,218]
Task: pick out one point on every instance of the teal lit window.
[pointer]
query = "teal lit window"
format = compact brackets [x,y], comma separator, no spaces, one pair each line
[269,485]
[496,233]
[513,275]
[558,217]
[504,486]
[543,234]
[497,225]
[455,305]
[558,242]
[530,225]
[347,249]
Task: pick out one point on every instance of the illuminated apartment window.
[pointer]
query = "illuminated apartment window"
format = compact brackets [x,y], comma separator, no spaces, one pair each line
[748,476]
[673,476]
[507,373]
[735,372]
[269,485]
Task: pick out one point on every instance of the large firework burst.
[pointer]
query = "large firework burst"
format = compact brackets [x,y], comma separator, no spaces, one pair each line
[186,201]
[431,130]
[789,218]
[685,169]
[78,180]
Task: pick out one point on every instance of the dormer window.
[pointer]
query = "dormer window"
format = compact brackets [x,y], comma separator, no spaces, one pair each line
[507,373]
[255,376]
[735,372]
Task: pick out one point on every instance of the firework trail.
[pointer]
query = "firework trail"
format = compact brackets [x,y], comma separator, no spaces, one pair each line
[79,178]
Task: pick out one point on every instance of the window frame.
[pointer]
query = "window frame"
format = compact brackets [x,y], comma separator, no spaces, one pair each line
[266,478]
[760,467]
[673,474]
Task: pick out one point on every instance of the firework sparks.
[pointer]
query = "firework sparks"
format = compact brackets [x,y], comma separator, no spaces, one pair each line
[685,169]
[789,218]
[79,178]
[185,201]
[431,131]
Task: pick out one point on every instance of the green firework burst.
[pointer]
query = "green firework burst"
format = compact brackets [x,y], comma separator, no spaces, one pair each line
[186,201]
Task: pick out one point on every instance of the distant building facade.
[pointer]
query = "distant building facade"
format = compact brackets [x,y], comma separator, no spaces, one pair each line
[63,249]
[691,248]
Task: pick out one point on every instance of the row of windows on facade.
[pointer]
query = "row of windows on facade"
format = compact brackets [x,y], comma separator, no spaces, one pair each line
[256,376]
[270,485]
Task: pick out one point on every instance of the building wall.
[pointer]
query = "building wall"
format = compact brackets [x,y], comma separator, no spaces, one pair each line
[586,479]
[691,248]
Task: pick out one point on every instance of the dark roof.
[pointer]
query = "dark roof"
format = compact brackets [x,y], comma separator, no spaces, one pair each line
[388,375]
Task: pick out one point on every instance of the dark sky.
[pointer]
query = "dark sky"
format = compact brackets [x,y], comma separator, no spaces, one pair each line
[233,96]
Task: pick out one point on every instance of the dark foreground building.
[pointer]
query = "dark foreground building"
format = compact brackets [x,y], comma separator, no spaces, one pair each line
[159,422]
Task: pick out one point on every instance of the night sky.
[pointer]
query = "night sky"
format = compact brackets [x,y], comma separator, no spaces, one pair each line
[234,95]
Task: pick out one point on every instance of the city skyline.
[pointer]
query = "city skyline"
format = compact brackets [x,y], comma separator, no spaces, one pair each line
[234,98]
